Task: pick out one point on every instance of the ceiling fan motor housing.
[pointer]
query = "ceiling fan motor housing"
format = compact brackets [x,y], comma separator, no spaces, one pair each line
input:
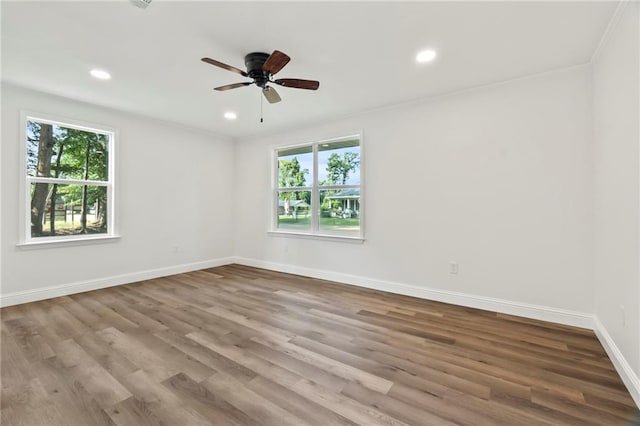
[254,62]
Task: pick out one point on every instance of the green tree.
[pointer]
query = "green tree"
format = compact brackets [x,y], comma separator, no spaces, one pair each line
[33,138]
[54,192]
[45,142]
[85,158]
[291,174]
[340,166]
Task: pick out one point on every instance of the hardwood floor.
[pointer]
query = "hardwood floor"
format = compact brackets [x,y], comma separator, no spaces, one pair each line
[241,346]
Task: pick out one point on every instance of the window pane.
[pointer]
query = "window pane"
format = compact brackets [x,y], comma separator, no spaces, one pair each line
[339,163]
[295,167]
[294,211]
[58,209]
[340,212]
[61,152]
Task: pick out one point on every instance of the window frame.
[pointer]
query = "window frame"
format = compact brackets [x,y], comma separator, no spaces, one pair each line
[25,239]
[315,189]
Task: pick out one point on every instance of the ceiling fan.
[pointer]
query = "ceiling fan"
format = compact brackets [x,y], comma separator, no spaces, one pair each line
[261,67]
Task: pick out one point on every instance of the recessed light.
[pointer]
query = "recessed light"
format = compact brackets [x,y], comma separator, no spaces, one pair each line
[230,115]
[100,74]
[426,56]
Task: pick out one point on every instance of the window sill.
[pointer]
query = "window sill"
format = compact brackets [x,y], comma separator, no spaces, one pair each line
[322,237]
[34,245]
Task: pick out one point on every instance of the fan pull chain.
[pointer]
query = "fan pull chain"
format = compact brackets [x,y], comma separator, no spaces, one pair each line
[261,103]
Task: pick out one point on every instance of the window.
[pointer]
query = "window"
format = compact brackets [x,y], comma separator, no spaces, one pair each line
[68,181]
[318,188]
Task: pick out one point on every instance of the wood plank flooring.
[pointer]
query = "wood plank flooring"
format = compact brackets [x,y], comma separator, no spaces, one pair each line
[242,346]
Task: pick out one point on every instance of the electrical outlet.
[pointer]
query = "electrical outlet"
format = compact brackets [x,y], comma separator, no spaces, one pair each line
[453,267]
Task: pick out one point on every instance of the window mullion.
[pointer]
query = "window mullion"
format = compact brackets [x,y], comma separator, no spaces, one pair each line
[276,186]
[337,187]
[63,181]
[295,188]
[315,194]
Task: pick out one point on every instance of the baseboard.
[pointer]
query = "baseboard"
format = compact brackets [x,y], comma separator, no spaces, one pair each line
[96,284]
[629,377]
[560,316]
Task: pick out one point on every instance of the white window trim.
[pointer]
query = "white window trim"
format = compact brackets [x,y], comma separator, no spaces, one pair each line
[315,188]
[25,240]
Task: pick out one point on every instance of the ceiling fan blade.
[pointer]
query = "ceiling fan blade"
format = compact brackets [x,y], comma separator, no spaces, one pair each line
[275,62]
[233,86]
[298,83]
[224,66]
[271,95]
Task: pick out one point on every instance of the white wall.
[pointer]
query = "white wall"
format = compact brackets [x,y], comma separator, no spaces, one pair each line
[498,179]
[617,184]
[172,191]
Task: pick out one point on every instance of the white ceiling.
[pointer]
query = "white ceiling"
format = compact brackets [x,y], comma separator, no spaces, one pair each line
[362,53]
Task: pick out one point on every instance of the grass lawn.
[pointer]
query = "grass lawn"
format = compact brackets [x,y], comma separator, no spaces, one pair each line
[70,228]
[337,221]
[327,224]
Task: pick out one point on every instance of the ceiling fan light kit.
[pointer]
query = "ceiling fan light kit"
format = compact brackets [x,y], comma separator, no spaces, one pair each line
[261,67]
